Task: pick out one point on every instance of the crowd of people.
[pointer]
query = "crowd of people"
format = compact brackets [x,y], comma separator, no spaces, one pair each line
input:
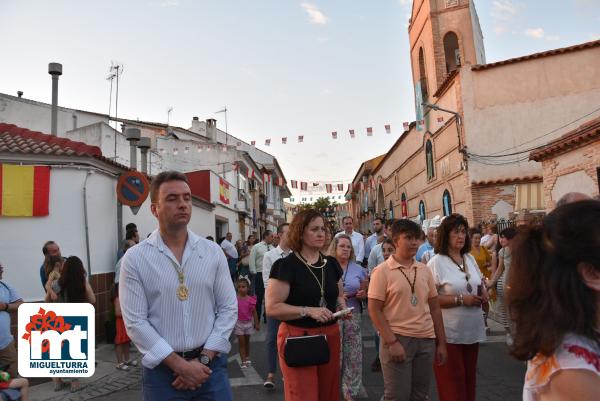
[427,291]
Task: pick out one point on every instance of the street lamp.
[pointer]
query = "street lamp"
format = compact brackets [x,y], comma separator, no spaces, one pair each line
[458,120]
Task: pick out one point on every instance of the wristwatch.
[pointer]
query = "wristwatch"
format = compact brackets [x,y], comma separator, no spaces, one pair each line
[204,359]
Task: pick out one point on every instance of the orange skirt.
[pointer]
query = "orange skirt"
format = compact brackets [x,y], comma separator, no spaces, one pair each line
[121,337]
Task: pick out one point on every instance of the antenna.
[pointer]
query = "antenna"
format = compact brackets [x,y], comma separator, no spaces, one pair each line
[115,71]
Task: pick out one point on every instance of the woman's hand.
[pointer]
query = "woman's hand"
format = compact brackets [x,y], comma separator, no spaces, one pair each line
[472,300]
[397,353]
[490,284]
[321,315]
[361,294]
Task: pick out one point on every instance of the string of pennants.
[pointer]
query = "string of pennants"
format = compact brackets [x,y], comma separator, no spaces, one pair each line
[352,133]
[330,187]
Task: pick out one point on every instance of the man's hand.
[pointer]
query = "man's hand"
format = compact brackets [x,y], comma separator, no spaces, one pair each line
[441,354]
[397,352]
[191,375]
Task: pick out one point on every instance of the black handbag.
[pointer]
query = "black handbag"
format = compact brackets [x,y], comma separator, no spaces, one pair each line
[306,350]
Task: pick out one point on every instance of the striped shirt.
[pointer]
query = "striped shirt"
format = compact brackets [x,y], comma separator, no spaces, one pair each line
[159,323]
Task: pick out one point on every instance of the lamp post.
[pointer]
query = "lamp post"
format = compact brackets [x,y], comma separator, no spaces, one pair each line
[458,123]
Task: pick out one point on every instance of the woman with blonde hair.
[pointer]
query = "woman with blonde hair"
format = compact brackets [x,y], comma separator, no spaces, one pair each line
[355,283]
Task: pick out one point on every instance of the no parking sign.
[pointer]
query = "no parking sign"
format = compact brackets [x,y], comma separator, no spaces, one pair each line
[132,188]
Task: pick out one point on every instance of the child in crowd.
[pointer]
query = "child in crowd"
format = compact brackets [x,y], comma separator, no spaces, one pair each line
[387,248]
[247,319]
[122,340]
[20,384]
[53,268]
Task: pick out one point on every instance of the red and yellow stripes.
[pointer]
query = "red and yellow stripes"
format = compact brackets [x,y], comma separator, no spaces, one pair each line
[24,190]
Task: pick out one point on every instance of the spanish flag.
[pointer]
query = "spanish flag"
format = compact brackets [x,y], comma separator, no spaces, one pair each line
[24,190]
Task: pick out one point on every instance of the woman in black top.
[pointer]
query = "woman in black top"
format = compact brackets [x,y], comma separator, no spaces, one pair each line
[304,291]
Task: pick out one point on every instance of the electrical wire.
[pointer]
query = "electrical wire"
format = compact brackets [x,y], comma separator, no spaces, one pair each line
[496,155]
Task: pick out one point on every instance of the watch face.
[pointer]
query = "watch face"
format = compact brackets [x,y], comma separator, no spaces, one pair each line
[204,359]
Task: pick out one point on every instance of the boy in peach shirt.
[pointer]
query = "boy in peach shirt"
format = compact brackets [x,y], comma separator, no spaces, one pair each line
[404,308]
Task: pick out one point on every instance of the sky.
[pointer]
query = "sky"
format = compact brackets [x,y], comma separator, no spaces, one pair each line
[283,68]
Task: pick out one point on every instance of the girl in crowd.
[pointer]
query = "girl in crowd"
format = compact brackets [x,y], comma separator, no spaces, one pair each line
[388,248]
[499,278]
[247,319]
[554,303]
[461,295]
[490,239]
[353,279]
[53,268]
[404,307]
[74,288]
[305,289]
[484,262]
[122,340]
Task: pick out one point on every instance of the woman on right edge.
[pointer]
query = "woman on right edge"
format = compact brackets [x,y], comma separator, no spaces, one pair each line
[461,294]
[554,304]
[305,289]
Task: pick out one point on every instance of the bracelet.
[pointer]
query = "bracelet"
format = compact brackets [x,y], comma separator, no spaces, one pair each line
[303,312]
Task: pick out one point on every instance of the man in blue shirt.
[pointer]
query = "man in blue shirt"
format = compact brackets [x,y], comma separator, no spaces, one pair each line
[427,245]
[49,249]
[9,302]
[372,240]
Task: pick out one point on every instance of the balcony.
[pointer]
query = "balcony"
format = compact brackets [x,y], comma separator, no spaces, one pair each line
[270,207]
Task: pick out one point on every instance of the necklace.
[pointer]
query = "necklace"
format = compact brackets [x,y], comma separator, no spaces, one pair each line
[321,283]
[182,291]
[413,297]
[463,268]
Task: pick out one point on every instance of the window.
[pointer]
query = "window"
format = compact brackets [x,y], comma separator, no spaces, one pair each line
[447,203]
[422,213]
[403,205]
[303,199]
[451,52]
[429,159]
[291,199]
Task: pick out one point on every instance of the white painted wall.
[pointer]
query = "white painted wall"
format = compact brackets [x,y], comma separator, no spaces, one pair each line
[36,116]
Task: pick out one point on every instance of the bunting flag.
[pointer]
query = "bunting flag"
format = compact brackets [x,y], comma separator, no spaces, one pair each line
[266,177]
[352,134]
[334,134]
[406,125]
[340,187]
[24,190]
[253,143]
[328,188]
[250,173]
[421,122]
[294,184]
[440,119]
[370,131]
[284,140]
[300,138]
[280,182]
[315,184]
[224,148]
[388,129]
[175,151]
[303,186]
[267,142]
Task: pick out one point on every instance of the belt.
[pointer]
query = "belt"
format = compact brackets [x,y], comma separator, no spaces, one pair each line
[191,354]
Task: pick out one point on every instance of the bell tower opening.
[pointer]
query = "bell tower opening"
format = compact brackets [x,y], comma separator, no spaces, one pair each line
[451,52]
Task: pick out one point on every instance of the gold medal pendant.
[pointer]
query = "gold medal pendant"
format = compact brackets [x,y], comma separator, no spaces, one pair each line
[182,292]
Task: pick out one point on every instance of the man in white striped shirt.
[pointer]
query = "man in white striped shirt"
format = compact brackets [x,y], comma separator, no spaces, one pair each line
[178,302]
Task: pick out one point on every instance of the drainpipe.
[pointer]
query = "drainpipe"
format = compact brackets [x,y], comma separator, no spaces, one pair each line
[87,229]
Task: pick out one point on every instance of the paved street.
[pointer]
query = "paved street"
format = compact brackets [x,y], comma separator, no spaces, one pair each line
[499,376]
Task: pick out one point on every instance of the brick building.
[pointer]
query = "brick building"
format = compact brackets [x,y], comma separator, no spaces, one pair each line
[571,163]
[476,122]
